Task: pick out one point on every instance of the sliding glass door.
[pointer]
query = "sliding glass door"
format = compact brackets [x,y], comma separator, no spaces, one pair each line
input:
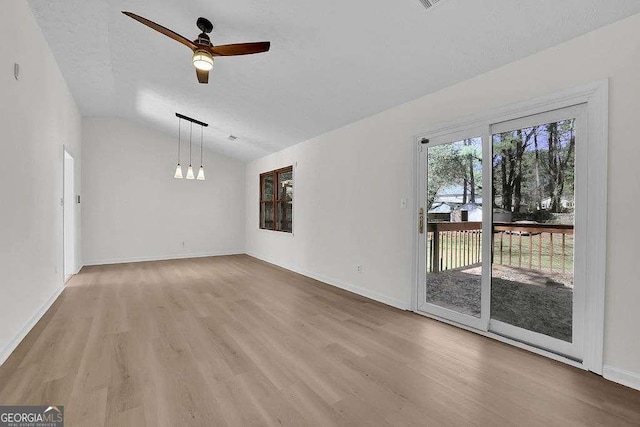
[537,293]
[451,225]
[498,229]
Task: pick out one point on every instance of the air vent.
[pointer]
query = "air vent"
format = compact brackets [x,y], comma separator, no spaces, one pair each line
[232,138]
[428,4]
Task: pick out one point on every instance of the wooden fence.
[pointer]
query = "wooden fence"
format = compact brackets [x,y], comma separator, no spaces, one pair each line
[543,247]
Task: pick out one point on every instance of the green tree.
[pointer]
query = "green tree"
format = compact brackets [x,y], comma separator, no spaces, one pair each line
[562,141]
[456,163]
[509,150]
[444,167]
[471,153]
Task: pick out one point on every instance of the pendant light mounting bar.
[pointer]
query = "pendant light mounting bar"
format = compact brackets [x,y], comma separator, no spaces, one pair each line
[192,120]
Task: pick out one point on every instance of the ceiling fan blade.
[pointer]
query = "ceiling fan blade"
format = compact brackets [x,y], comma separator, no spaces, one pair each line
[240,49]
[203,76]
[159,28]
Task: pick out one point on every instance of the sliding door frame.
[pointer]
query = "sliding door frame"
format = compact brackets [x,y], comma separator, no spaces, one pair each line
[596,97]
[575,348]
[482,322]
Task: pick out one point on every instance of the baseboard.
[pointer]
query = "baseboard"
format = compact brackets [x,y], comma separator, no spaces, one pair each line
[17,339]
[160,257]
[394,302]
[621,376]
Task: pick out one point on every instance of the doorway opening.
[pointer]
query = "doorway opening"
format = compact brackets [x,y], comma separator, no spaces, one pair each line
[69,217]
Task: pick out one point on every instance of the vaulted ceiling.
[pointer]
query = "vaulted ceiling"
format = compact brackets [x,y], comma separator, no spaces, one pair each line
[331,62]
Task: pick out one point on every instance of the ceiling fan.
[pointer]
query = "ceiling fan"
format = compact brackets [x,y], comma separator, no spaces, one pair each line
[203,50]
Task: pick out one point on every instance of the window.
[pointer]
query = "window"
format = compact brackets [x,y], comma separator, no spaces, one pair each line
[276,200]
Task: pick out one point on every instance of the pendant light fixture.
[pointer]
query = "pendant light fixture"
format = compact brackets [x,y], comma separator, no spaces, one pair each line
[190,174]
[178,173]
[201,170]
[190,169]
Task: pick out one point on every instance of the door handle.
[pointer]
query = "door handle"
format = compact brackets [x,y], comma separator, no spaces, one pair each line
[421,221]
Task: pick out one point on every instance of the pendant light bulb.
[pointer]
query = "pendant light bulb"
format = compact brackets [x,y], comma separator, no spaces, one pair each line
[201,170]
[178,172]
[190,168]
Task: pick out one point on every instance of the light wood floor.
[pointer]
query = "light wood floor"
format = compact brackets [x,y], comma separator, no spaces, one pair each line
[235,341]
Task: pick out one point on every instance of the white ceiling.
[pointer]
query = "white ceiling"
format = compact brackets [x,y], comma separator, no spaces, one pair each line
[331,62]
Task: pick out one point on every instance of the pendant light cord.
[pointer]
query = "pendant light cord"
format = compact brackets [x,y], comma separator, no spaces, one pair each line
[201,137]
[179,121]
[190,133]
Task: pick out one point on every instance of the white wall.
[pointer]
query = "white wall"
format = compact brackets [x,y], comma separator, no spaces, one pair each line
[38,117]
[133,208]
[348,183]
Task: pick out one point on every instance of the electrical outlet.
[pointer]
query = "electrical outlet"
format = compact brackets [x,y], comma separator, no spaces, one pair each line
[359,268]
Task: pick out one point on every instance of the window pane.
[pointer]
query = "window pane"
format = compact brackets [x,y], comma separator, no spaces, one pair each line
[285,215]
[267,187]
[285,186]
[266,215]
[533,202]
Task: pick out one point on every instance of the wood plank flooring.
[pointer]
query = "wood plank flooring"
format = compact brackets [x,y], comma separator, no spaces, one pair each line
[235,341]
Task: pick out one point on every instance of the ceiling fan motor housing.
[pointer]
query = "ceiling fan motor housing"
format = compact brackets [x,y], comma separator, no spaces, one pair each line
[204,25]
[203,39]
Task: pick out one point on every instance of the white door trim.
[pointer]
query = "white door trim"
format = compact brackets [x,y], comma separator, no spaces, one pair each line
[596,96]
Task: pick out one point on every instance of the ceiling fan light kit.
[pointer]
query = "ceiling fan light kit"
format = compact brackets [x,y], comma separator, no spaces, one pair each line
[203,50]
[202,60]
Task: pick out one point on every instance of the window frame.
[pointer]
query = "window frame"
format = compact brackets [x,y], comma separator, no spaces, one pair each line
[275,176]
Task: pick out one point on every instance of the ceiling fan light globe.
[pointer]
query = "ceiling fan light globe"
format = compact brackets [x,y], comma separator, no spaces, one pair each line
[202,60]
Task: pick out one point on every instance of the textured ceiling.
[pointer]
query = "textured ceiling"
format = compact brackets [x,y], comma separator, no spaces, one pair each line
[331,62]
